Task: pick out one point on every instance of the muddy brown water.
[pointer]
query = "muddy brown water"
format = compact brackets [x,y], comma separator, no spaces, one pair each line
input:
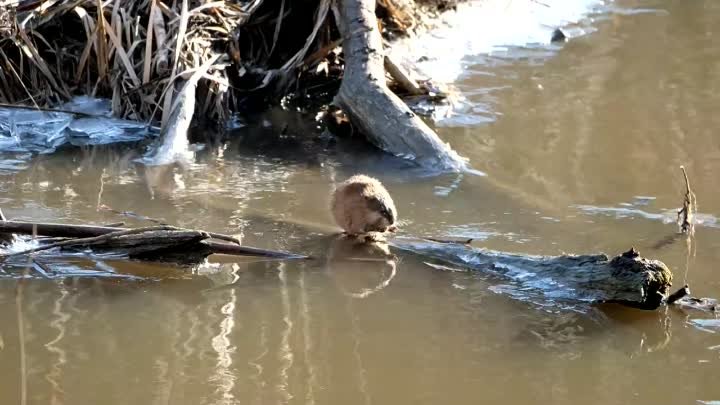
[582,153]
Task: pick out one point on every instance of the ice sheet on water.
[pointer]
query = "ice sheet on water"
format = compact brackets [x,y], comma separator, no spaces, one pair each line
[27,130]
[708,325]
[486,27]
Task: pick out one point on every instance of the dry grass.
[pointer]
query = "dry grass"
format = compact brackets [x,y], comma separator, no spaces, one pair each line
[133,51]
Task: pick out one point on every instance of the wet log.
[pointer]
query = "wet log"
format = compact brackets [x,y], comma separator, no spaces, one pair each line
[149,241]
[627,279]
[372,107]
[174,144]
[177,117]
[157,241]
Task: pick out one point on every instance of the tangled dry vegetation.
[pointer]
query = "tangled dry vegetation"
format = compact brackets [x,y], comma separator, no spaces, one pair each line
[136,52]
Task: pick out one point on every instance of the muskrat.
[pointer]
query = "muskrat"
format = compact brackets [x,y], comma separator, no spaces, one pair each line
[361,206]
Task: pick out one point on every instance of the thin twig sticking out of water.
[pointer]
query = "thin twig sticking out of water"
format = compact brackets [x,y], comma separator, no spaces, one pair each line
[21,337]
[21,329]
[687,213]
[685,217]
[685,221]
[100,192]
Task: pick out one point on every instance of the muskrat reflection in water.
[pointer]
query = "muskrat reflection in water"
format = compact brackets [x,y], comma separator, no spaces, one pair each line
[363,208]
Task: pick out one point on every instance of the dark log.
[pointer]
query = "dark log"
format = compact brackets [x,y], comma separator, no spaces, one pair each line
[371,106]
[146,239]
[628,279]
[160,241]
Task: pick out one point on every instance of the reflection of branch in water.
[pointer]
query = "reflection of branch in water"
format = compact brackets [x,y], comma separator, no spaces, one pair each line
[224,349]
[690,251]
[687,212]
[665,322]
[286,354]
[192,317]
[102,188]
[167,376]
[21,337]
[362,373]
[307,340]
[163,382]
[59,324]
[257,361]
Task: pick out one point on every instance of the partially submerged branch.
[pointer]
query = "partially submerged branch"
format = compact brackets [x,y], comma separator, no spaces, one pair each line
[372,107]
[148,238]
[627,279]
[158,241]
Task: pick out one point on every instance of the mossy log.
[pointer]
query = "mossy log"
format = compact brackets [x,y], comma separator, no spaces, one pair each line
[364,96]
[628,278]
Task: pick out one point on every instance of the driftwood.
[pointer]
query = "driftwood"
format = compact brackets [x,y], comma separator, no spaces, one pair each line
[628,278]
[156,241]
[371,106]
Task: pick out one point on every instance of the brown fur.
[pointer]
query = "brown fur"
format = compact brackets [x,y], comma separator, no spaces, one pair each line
[358,204]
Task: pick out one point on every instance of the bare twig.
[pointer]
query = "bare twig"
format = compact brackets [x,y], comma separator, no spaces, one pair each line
[687,212]
[462,241]
[679,294]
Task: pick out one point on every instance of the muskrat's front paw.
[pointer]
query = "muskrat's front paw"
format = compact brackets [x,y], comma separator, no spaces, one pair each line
[392,228]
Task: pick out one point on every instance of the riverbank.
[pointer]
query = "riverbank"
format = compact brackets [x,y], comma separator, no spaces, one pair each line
[247,55]
[184,64]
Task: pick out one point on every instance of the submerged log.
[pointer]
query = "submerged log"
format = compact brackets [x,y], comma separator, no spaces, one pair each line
[158,241]
[371,106]
[627,279]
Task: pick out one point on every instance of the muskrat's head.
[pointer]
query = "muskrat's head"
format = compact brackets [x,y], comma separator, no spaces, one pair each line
[381,215]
